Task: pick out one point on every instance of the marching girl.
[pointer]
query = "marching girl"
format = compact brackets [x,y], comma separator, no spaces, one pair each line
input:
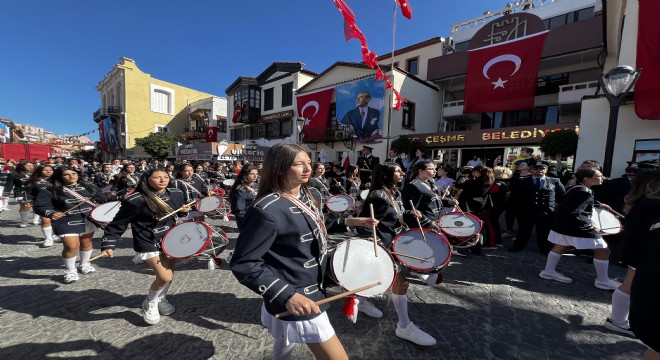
[193,188]
[17,181]
[389,211]
[573,227]
[126,181]
[426,197]
[318,180]
[39,181]
[68,204]
[151,200]
[281,255]
[243,193]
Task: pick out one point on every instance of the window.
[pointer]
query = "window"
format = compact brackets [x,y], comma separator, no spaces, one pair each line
[557,21]
[408,115]
[268,99]
[273,130]
[462,46]
[222,125]
[286,128]
[287,94]
[412,66]
[236,134]
[162,99]
[584,14]
[161,128]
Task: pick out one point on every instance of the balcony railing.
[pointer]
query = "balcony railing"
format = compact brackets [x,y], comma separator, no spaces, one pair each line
[114,110]
[325,135]
[101,113]
[573,93]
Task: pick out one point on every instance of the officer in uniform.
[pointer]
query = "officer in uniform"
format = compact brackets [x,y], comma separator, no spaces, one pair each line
[538,195]
[366,163]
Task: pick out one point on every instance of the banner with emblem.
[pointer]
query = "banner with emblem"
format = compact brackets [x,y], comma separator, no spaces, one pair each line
[315,109]
[503,76]
[360,107]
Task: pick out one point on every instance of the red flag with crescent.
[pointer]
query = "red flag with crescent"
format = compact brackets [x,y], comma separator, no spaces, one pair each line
[211,134]
[405,8]
[315,109]
[647,88]
[503,77]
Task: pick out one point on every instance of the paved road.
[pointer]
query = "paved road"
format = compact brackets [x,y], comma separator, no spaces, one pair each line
[490,307]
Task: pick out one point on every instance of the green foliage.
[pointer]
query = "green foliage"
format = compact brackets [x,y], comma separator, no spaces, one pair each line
[560,143]
[158,144]
[87,155]
[404,145]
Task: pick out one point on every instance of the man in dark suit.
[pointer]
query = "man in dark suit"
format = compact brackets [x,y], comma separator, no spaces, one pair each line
[363,119]
[366,164]
[393,156]
[537,196]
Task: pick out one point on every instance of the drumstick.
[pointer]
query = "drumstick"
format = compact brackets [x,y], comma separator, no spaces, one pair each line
[80,203]
[373,229]
[333,298]
[412,257]
[419,224]
[113,206]
[611,210]
[96,257]
[176,211]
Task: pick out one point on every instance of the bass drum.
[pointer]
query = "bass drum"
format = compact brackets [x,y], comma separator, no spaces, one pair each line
[462,229]
[186,239]
[605,221]
[435,250]
[354,264]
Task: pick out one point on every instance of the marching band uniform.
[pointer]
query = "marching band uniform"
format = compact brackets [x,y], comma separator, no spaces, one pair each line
[366,164]
[193,189]
[35,187]
[427,199]
[240,199]
[125,183]
[18,182]
[102,179]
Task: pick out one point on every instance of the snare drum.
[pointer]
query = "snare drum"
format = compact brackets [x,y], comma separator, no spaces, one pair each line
[186,239]
[105,213]
[435,249]
[354,265]
[605,221]
[216,190]
[340,203]
[208,204]
[228,182]
[462,229]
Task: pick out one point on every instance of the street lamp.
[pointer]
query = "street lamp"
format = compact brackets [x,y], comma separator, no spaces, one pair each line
[616,85]
[300,125]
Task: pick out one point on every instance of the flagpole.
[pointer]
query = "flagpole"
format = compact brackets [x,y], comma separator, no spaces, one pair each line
[389,116]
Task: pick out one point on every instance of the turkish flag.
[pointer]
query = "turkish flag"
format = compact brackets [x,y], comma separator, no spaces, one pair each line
[405,8]
[503,76]
[211,134]
[647,88]
[315,109]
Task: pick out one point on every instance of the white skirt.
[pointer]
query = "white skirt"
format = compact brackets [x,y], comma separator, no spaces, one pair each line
[144,256]
[316,330]
[577,242]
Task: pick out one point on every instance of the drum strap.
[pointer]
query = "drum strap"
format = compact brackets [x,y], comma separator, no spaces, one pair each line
[79,197]
[190,187]
[311,213]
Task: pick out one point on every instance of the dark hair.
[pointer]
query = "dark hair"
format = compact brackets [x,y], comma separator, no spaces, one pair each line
[350,172]
[592,163]
[316,166]
[242,175]
[36,174]
[382,178]
[646,185]
[425,153]
[419,166]
[485,173]
[528,150]
[584,173]
[276,168]
[57,183]
[20,167]
[181,168]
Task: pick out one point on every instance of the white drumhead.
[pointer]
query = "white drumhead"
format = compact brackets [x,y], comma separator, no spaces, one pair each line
[363,194]
[208,203]
[459,224]
[605,221]
[105,213]
[228,182]
[340,203]
[355,265]
[435,249]
[186,239]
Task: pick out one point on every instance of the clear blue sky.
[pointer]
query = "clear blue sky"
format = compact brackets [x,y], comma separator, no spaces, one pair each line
[54,53]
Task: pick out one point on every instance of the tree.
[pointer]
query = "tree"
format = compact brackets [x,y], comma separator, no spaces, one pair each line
[560,143]
[404,145]
[158,144]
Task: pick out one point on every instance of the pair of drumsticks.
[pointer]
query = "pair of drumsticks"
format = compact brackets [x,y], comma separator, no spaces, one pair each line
[375,237]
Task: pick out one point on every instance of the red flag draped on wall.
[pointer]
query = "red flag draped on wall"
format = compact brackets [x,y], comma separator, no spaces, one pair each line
[211,134]
[503,76]
[315,109]
[647,88]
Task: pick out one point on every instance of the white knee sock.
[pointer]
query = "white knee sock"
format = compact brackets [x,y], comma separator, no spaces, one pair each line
[48,232]
[620,307]
[35,218]
[282,351]
[429,279]
[601,269]
[153,294]
[24,216]
[552,261]
[85,256]
[401,306]
[163,292]
[70,264]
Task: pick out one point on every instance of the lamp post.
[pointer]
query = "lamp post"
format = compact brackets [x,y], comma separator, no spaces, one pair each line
[616,84]
[300,124]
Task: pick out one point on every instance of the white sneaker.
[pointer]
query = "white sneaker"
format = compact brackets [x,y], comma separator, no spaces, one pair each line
[22,225]
[622,328]
[48,242]
[56,238]
[150,312]
[555,276]
[369,309]
[607,285]
[70,276]
[165,308]
[87,268]
[414,334]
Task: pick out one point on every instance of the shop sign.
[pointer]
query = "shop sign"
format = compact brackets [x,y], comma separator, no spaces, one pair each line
[277,116]
[204,151]
[483,137]
[236,152]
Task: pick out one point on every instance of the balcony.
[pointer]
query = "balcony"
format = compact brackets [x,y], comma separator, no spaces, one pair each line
[102,113]
[573,93]
[114,110]
[325,135]
[452,108]
[99,115]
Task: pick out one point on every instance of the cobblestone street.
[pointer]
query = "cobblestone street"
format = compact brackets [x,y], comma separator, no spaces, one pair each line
[489,307]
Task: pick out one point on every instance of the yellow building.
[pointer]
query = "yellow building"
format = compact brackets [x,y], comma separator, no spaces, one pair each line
[135,104]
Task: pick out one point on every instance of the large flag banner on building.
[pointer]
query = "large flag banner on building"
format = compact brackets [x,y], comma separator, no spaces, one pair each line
[360,107]
[647,88]
[109,140]
[211,134]
[503,77]
[315,109]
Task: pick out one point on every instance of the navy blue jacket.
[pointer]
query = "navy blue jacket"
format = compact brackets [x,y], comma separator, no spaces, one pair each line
[74,221]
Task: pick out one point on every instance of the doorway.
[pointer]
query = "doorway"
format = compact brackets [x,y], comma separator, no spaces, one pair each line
[487,156]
